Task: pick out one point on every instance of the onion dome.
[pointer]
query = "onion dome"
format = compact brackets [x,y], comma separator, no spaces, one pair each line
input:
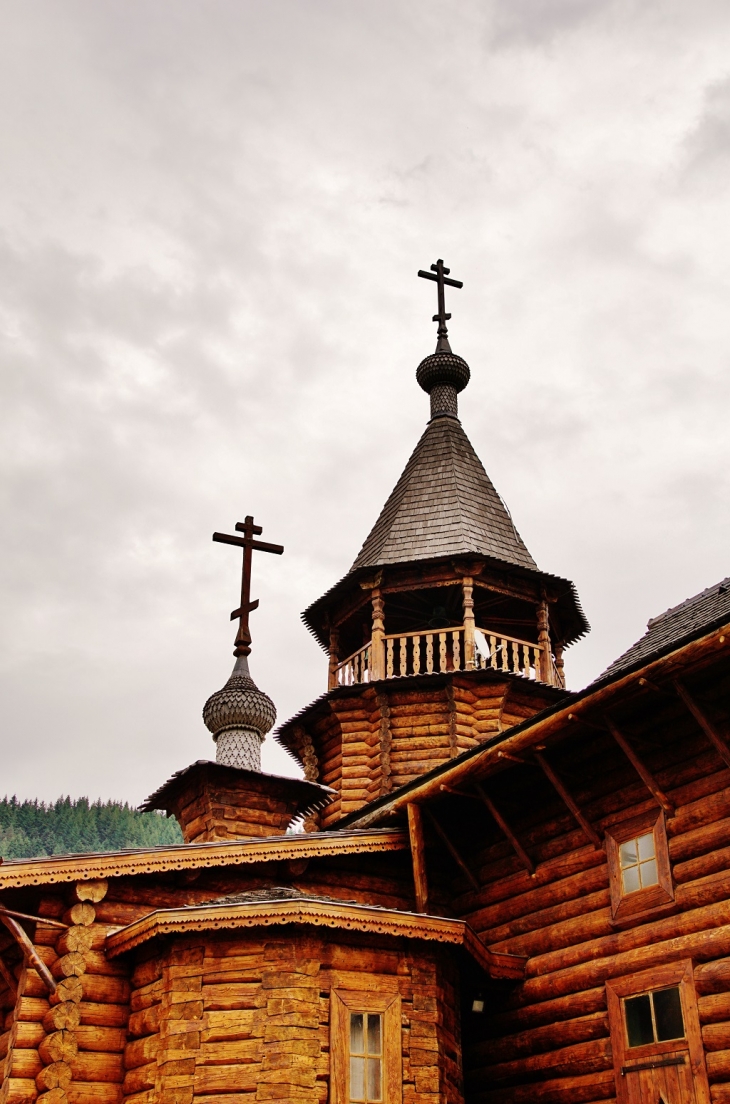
[239,716]
[443,375]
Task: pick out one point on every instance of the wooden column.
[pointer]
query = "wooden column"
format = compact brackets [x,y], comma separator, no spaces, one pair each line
[377,647]
[467,587]
[334,658]
[559,666]
[543,639]
[418,857]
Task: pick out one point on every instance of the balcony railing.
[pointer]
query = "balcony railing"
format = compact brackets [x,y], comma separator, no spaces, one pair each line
[418,653]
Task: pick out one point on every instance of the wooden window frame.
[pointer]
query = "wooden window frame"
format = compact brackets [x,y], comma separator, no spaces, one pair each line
[342,1003]
[661,977]
[656,900]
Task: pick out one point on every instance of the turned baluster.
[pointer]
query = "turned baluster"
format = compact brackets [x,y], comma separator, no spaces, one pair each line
[456,649]
[377,658]
[543,640]
[404,655]
[389,660]
[467,589]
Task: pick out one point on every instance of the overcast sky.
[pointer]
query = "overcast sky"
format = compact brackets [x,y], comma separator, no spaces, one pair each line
[211,218]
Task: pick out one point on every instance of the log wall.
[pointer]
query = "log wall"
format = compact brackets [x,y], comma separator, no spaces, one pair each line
[549,1039]
[247,1018]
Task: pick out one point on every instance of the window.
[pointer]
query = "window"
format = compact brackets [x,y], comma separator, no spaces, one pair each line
[366,1057]
[365,1047]
[638,867]
[637,858]
[654,1017]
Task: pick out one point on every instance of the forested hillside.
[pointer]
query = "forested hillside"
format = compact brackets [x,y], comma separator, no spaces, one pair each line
[32,828]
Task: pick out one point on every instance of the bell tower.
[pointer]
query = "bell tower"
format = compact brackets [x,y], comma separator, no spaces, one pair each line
[444,631]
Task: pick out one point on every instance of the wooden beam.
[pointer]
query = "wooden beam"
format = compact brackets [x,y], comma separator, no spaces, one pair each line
[29,916]
[577,814]
[418,857]
[9,980]
[516,845]
[29,952]
[705,724]
[644,773]
[451,849]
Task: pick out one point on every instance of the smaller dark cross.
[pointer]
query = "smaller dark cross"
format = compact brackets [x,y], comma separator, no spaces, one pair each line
[249,545]
[438,273]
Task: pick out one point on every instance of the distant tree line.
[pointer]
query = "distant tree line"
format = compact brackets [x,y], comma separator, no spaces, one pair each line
[31,829]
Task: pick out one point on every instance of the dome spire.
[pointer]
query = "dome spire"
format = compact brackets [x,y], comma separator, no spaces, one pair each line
[240,715]
[443,374]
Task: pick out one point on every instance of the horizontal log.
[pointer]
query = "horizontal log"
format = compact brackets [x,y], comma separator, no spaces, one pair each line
[713,977]
[716,1036]
[69,989]
[546,889]
[141,1052]
[548,1037]
[709,837]
[593,1056]
[19,1090]
[99,1092]
[88,1066]
[229,1079]
[715,1008]
[104,1015]
[560,1090]
[102,989]
[720,1093]
[32,1009]
[94,890]
[82,913]
[77,938]
[711,862]
[669,927]
[146,972]
[92,1037]
[28,1034]
[547,917]
[145,1022]
[55,1076]
[24,1063]
[718,1065]
[72,964]
[139,1079]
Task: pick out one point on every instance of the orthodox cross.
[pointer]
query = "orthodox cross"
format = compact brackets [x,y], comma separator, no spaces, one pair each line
[439,274]
[249,545]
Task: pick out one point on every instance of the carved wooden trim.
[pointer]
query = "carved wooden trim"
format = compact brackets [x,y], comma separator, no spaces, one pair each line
[195,856]
[318,913]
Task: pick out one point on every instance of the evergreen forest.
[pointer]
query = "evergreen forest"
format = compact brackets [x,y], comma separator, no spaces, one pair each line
[31,829]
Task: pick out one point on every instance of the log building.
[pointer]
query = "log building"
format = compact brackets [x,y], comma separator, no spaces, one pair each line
[504,892]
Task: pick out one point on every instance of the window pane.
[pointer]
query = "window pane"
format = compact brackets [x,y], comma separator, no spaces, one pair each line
[357,1079]
[646,846]
[630,879]
[649,874]
[668,1014]
[374,1092]
[357,1035]
[628,853]
[374,1034]
[639,1027]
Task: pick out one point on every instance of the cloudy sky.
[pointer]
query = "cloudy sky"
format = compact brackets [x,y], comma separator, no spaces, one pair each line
[211,217]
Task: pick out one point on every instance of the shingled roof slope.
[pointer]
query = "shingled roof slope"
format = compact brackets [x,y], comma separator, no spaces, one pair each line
[443,504]
[690,618]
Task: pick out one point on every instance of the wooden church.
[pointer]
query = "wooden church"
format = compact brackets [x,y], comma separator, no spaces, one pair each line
[485,888]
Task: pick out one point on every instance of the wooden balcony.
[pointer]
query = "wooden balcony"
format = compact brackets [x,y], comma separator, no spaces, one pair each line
[453,649]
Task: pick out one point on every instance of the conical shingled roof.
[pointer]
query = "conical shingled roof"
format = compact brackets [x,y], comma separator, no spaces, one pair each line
[444,504]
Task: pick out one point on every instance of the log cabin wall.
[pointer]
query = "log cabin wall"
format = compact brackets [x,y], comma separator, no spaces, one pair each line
[548,1039]
[372,739]
[248,1015]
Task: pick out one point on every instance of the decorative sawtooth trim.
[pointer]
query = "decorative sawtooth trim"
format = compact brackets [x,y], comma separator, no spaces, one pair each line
[197,856]
[322,914]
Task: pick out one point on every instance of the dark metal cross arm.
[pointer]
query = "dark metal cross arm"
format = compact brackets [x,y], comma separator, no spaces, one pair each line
[439,274]
[431,276]
[245,542]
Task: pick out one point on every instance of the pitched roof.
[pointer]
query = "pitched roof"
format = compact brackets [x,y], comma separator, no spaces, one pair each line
[443,504]
[690,618]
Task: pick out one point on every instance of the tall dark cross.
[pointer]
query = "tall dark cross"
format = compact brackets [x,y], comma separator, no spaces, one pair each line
[249,546]
[439,274]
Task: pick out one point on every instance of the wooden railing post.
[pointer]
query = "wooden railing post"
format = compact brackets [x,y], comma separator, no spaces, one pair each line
[543,639]
[334,658]
[377,654]
[467,586]
[559,666]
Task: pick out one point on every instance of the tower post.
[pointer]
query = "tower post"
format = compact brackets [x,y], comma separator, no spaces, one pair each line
[377,645]
[467,589]
[543,639]
[334,657]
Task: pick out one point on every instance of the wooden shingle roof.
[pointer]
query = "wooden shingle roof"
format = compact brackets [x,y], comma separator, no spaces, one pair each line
[443,504]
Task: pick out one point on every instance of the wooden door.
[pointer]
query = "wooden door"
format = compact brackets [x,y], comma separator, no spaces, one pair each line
[655,1036]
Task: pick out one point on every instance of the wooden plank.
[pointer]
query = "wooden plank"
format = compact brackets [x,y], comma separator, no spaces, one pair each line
[452,850]
[568,800]
[703,721]
[644,773]
[504,826]
[418,857]
[29,952]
